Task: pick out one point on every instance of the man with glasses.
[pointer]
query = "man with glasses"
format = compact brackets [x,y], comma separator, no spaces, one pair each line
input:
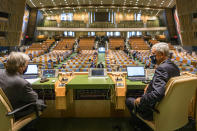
[155,91]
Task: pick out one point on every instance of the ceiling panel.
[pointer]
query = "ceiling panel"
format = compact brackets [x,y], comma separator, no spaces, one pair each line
[150,7]
[54,3]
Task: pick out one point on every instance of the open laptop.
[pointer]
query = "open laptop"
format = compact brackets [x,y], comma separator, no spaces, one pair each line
[136,73]
[32,72]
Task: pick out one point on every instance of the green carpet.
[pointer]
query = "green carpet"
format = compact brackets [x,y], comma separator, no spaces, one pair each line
[101,58]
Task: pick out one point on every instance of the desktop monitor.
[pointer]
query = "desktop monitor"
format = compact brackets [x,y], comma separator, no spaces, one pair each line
[32,70]
[49,73]
[135,71]
[97,72]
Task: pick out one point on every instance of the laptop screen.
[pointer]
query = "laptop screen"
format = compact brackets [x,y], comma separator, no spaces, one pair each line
[97,72]
[32,70]
[135,71]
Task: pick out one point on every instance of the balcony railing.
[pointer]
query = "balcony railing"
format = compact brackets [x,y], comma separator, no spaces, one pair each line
[81,24]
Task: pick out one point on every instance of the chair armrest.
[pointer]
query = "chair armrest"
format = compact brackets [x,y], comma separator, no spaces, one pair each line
[25,106]
[154,110]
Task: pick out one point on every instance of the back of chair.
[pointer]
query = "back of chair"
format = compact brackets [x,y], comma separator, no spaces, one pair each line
[5,107]
[174,106]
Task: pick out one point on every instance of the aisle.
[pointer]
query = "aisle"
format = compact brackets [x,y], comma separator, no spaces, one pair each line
[101,58]
[60,65]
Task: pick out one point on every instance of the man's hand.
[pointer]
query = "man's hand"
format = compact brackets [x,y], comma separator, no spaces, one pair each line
[137,101]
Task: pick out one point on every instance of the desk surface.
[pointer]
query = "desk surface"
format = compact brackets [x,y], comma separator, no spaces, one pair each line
[46,85]
[135,84]
[83,82]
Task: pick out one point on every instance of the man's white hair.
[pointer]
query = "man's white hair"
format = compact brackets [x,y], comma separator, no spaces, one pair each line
[162,47]
[15,61]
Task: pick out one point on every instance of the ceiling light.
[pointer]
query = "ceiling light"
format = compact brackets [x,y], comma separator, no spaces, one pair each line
[32,3]
[170,3]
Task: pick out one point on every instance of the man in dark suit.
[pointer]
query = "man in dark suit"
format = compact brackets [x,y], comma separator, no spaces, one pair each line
[17,89]
[100,65]
[155,91]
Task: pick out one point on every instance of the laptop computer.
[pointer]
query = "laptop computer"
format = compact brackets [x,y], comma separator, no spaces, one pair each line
[136,73]
[32,72]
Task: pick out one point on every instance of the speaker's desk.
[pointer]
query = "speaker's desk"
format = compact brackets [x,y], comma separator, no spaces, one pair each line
[83,82]
[84,97]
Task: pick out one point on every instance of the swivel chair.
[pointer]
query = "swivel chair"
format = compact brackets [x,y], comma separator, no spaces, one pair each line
[172,112]
[7,121]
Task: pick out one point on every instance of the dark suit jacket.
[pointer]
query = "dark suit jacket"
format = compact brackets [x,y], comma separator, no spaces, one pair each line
[18,91]
[156,89]
[100,66]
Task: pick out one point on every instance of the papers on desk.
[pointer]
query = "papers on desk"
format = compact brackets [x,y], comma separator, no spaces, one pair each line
[31,81]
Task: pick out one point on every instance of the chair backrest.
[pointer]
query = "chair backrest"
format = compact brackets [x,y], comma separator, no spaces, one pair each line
[5,107]
[174,106]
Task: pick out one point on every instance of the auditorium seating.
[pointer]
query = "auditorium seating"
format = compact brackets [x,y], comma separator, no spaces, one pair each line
[3,61]
[34,53]
[116,43]
[37,49]
[138,43]
[50,60]
[86,43]
[117,60]
[81,62]
[65,44]
[185,61]
[160,37]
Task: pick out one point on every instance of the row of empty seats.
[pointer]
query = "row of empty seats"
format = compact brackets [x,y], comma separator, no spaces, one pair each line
[65,44]
[81,62]
[117,60]
[50,60]
[86,43]
[116,43]
[138,43]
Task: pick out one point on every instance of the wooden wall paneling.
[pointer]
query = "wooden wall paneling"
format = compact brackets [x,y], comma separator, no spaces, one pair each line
[185,10]
[15,8]
[32,23]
